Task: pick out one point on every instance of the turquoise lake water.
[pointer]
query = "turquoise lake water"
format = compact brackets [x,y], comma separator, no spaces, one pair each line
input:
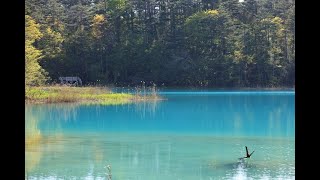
[189,135]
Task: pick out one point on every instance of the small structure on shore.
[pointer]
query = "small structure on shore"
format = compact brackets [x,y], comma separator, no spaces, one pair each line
[70,80]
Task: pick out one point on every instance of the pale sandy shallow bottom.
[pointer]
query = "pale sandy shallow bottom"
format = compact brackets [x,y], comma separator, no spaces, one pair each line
[158,156]
[189,136]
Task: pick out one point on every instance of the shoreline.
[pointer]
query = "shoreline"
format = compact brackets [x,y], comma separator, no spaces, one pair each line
[82,95]
[105,95]
[160,87]
[228,88]
[217,89]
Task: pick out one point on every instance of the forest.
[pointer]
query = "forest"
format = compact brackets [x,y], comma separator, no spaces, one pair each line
[171,43]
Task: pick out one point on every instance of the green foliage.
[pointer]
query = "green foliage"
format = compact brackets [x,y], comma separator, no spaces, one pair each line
[171,42]
[51,43]
[34,74]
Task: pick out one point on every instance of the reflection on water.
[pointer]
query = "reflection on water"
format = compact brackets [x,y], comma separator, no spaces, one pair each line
[184,137]
[165,157]
[32,141]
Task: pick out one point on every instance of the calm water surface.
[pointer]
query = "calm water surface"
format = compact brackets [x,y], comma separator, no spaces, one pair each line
[190,135]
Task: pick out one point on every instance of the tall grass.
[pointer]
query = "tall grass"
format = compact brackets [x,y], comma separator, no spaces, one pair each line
[146,93]
[85,95]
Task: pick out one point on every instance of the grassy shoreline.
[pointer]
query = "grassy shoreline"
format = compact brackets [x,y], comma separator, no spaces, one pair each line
[95,95]
[83,95]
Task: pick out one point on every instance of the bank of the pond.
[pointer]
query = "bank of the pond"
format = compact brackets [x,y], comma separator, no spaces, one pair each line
[83,95]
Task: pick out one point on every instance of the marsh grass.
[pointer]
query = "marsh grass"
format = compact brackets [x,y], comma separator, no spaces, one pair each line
[83,95]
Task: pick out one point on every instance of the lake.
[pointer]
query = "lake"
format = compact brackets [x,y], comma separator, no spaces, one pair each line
[188,135]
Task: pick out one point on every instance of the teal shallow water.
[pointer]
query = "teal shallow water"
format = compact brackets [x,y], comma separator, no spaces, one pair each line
[188,136]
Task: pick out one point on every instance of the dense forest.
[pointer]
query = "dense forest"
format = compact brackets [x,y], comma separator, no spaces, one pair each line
[210,43]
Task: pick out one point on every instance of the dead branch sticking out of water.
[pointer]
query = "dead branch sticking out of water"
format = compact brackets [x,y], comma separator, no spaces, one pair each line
[109,175]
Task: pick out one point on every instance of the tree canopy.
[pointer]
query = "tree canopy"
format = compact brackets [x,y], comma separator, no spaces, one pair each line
[212,43]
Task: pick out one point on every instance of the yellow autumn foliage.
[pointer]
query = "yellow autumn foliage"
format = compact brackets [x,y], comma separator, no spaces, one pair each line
[97,22]
[212,12]
[34,74]
[32,30]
